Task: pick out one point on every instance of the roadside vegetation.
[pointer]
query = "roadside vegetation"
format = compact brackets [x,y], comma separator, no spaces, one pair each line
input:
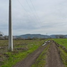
[41,60]
[22,48]
[63,55]
[62,45]
[61,42]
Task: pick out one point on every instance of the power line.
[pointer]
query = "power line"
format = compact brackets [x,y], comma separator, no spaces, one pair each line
[21,5]
[23,8]
[31,9]
[27,11]
[33,13]
[35,10]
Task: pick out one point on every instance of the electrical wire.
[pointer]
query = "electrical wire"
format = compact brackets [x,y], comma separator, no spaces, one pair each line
[33,13]
[31,10]
[35,10]
[23,8]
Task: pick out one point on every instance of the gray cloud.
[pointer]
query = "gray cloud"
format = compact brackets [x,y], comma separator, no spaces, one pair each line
[43,16]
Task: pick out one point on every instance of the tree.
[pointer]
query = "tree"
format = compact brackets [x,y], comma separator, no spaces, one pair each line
[1,34]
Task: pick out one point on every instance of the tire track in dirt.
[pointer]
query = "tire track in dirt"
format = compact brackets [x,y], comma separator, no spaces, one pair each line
[30,59]
[53,58]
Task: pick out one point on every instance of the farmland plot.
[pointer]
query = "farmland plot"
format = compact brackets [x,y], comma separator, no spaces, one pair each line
[22,48]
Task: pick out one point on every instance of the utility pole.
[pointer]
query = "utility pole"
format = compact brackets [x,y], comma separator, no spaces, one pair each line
[10,47]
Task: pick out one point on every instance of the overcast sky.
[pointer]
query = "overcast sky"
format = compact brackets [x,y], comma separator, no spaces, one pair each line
[34,16]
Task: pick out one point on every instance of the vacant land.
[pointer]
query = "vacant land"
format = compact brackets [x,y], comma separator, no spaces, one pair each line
[52,57]
[34,53]
[22,48]
[27,62]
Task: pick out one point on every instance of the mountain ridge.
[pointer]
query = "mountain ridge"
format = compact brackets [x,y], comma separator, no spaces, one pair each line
[26,36]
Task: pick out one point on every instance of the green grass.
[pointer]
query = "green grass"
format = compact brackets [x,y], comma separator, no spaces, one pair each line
[63,55]
[18,55]
[61,42]
[41,60]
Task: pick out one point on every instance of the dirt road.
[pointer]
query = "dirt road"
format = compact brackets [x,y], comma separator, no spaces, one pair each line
[53,59]
[27,62]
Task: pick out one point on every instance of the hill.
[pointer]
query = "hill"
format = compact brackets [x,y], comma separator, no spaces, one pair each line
[26,36]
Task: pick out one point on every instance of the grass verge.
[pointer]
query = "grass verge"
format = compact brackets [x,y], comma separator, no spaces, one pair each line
[62,45]
[63,55]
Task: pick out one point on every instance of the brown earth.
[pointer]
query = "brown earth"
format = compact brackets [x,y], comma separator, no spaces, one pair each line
[53,58]
[27,62]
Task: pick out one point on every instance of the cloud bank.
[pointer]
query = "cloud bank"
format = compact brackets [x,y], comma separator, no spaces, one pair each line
[34,16]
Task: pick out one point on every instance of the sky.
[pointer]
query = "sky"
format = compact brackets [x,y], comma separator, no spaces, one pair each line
[34,17]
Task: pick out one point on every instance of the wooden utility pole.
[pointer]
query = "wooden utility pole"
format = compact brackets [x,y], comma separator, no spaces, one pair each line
[10,47]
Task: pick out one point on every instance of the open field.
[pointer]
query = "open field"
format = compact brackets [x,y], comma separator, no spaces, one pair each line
[45,56]
[61,42]
[22,48]
[31,58]
[34,53]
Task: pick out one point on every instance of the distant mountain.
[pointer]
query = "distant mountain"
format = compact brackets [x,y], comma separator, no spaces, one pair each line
[66,36]
[58,36]
[26,36]
[33,36]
